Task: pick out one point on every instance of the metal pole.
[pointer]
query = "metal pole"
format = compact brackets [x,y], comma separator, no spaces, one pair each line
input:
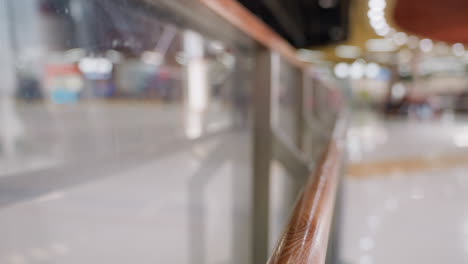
[299,109]
[262,156]
[299,180]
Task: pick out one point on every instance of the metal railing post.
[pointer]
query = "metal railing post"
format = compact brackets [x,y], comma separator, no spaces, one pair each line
[299,180]
[262,155]
[299,110]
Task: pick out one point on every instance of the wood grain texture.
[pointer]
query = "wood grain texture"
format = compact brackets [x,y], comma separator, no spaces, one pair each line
[248,23]
[306,237]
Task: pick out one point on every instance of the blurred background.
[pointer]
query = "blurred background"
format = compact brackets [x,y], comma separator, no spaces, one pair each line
[163,131]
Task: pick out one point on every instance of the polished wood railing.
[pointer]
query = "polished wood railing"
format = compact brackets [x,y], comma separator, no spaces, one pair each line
[306,237]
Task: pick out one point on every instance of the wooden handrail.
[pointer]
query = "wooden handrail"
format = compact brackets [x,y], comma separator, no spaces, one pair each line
[306,237]
[248,23]
[307,234]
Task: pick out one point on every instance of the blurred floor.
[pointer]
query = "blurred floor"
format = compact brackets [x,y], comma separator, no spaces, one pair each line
[100,182]
[123,184]
[406,191]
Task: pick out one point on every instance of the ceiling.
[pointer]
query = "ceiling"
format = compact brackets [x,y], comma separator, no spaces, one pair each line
[360,31]
[442,21]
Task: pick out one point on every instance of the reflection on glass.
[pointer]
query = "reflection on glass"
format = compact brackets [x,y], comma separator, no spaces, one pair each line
[104,108]
[285,98]
[197,83]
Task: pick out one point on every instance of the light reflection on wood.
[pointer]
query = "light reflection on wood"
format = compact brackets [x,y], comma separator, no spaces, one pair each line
[306,237]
